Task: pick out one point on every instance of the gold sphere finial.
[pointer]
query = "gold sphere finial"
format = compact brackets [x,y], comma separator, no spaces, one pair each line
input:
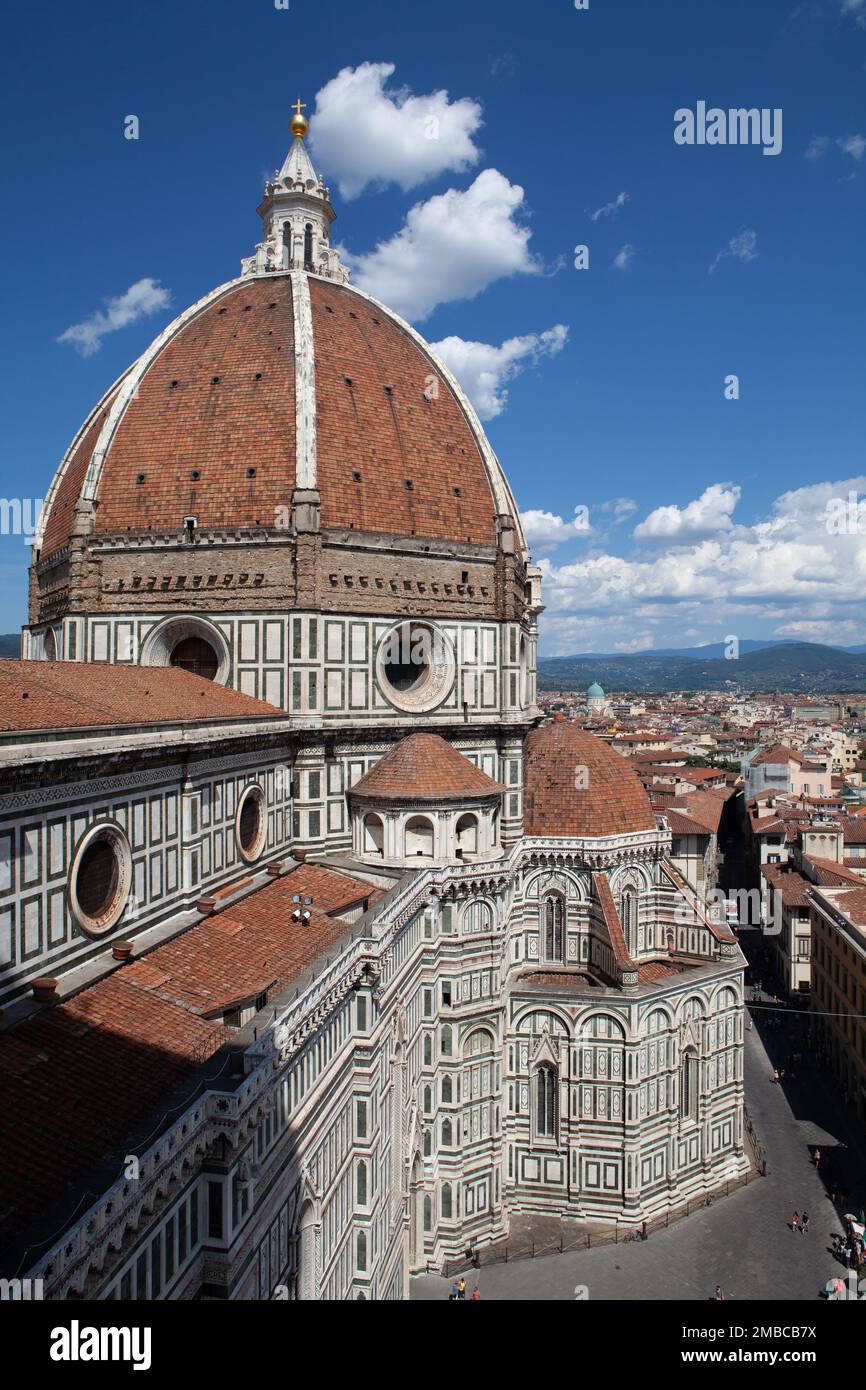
[299,124]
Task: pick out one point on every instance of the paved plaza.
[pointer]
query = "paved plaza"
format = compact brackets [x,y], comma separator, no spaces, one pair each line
[744,1241]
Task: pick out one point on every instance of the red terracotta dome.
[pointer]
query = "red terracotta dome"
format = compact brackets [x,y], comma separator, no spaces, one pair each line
[210,422]
[576,785]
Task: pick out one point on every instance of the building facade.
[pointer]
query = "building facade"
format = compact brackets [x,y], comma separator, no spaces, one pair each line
[368,959]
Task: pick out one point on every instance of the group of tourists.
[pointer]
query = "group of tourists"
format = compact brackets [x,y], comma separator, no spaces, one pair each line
[458,1292]
[850,1248]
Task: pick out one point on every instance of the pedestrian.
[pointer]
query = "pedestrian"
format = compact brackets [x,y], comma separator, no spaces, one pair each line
[454,1295]
[776,1075]
[817,1157]
[461,1288]
[718,1294]
[804,1222]
[476,1294]
[795,1221]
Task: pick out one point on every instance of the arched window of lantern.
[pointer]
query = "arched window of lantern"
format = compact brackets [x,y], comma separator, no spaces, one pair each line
[308,246]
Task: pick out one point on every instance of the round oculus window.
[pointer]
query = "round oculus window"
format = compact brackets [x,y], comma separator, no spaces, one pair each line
[251,824]
[100,879]
[195,654]
[415,666]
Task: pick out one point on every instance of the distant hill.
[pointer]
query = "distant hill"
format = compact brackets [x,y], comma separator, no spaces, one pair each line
[10,644]
[794,666]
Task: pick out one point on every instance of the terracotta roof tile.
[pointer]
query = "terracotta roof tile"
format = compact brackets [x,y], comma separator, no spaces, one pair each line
[574,784]
[424,767]
[78,695]
[82,1075]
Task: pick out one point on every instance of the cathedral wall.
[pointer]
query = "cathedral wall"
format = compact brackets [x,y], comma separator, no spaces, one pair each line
[178,820]
[317,665]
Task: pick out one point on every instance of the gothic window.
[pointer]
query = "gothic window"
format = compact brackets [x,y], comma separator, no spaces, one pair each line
[447,1134]
[447,1090]
[308,246]
[428,1100]
[446,1040]
[361,1183]
[545,1101]
[361,1255]
[689,1085]
[428,1143]
[554,915]
[628,919]
[428,1214]
[446,1201]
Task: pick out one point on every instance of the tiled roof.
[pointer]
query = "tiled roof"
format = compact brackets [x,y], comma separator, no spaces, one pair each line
[778,753]
[425,767]
[574,784]
[791,886]
[829,874]
[79,695]
[81,1076]
[220,396]
[601,883]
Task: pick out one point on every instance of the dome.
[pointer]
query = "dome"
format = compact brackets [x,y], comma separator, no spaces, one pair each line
[274,383]
[575,784]
[425,767]
[594,692]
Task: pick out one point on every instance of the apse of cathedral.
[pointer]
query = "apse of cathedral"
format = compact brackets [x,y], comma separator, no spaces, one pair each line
[324,957]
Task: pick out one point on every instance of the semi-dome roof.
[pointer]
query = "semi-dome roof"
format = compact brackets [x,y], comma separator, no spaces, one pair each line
[594,691]
[425,767]
[275,382]
[575,784]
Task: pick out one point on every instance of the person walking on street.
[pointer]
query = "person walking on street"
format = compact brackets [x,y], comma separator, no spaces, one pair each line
[476,1294]
[461,1288]
[718,1295]
[804,1222]
[795,1221]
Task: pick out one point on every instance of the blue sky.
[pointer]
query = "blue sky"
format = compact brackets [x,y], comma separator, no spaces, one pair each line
[706,516]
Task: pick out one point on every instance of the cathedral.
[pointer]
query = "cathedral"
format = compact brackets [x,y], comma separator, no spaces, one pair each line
[322,955]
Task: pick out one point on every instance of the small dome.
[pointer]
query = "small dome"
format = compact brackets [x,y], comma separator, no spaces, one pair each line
[424,767]
[594,691]
[575,784]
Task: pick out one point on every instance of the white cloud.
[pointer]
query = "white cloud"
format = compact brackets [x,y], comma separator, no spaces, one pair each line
[742,247]
[145,297]
[856,8]
[786,570]
[620,507]
[609,209]
[855,145]
[451,247]
[483,369]
[366,135]
[707,515]
[624,257]
[817,146]
[546,529]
